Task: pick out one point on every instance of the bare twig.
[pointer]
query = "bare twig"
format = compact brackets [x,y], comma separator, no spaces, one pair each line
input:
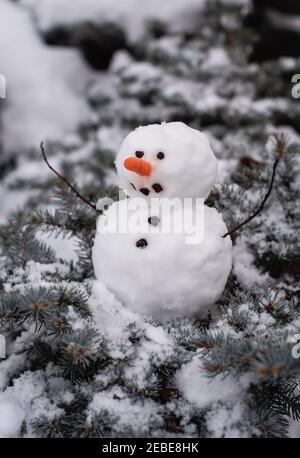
[61,177]
[261,207]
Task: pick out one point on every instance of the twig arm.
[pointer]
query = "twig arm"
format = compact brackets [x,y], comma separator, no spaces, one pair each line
[67,182]
[261,207]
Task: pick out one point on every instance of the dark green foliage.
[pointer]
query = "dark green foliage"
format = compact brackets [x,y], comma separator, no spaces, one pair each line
[82,354]
[21,245]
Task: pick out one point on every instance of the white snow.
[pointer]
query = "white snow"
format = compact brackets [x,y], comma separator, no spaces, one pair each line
[294,429]
[17,401]
[117,404]
[13,201]
[223,397]
[244,268]
[120,60]
[44,85]
[194,384]
[216,59]
[129,14]
[64,247]
[225,421]
[109,137]
[243,3]
[110,316]
[281,20]
[158,335]
[9,366]
[225,167]
[11,417]
[29,170]
[114,321]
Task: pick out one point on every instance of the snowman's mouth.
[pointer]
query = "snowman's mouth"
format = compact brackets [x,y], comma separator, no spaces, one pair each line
[145,191]
[156,187]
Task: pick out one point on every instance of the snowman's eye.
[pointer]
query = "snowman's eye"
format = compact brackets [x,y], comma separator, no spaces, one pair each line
[160,155]
[139,154]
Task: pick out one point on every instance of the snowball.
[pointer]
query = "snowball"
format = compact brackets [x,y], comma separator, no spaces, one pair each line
[186,167]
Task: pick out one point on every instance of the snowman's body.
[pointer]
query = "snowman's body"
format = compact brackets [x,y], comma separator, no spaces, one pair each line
[168,276]
[151,270]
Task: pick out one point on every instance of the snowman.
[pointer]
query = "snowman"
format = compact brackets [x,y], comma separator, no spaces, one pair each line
[153,270]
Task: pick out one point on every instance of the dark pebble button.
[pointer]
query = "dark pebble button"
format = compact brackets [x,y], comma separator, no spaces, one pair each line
[142,243]
[157,187]
[153,220]
[145,191]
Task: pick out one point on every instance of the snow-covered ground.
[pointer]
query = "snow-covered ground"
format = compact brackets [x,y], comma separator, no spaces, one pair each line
[48,93]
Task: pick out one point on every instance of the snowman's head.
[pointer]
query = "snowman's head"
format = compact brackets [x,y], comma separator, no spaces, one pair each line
[166,160]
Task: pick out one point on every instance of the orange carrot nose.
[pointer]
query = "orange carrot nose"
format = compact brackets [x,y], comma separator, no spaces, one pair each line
[139,166]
